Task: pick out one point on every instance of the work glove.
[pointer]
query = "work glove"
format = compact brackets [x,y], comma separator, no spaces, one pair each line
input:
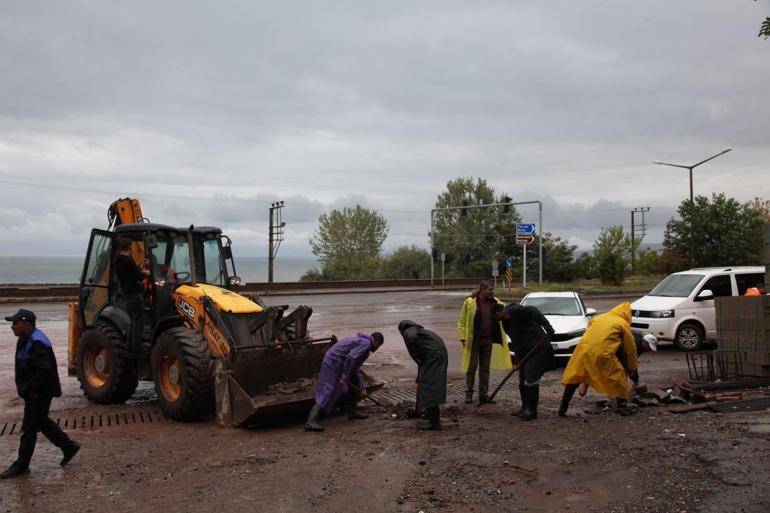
[362,393]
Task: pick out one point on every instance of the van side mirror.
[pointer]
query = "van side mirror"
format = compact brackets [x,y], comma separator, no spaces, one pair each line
[704,295]
[590,312]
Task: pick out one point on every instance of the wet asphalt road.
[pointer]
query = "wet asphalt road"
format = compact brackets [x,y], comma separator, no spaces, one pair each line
[339,314]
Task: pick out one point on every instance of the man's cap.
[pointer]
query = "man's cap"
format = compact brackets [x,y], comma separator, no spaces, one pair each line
[22,315]
[651,340]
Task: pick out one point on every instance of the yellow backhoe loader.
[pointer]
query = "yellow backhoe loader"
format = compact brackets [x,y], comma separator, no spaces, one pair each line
[204,345]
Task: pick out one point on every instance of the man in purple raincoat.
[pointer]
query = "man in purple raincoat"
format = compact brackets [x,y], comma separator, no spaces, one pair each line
[339,369]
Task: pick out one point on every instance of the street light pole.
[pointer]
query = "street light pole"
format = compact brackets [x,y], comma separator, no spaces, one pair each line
[692,199]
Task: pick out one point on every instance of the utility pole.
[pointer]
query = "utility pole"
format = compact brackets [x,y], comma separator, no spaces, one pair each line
[642,228]
[275,236]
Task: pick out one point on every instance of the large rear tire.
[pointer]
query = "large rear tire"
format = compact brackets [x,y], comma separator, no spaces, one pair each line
[105,369]
[183,371]
[689,337]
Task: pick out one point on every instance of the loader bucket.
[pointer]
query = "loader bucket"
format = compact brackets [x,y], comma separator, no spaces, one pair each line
[272,375]
[242,399]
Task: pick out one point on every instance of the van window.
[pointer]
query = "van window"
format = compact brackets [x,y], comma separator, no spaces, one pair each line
[719,285]
[746,280]
[676,285]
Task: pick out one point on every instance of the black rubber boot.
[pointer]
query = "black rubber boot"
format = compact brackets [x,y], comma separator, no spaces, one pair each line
[468,397]
[432,423]
[533,397]
[312,419]
[623,409]
[569,391]
[522,393]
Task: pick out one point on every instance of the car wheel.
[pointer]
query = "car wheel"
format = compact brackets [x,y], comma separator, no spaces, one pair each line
[689,337]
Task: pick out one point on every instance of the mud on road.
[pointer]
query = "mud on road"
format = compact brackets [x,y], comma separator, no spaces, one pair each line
[483,460]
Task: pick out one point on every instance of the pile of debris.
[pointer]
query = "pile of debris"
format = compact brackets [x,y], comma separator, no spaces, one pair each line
[719,396]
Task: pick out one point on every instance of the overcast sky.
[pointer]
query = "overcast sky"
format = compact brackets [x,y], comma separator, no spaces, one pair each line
[209,111]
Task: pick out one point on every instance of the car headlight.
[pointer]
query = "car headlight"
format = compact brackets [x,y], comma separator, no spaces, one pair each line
[660,314]
[576,333]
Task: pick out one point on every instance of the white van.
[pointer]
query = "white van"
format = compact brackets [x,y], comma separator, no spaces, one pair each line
[681,307]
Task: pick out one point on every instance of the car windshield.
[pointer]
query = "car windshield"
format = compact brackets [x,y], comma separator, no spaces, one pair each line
[676,285]
[554,305]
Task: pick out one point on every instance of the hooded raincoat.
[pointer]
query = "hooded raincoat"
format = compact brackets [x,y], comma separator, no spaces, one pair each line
[342,361]
[429,352]
[527,327]
[595,361]
[466,329]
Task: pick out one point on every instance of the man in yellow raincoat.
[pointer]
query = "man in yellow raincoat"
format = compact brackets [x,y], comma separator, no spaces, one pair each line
[595,362]
[484,345]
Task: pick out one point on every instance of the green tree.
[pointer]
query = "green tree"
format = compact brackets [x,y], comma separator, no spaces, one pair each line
[406,263]
[558,259]
[722,231]
[647,262]
[348,243]
[612,251]
[585,266]
[473,237]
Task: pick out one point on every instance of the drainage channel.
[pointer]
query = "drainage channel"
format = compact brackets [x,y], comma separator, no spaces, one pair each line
[94,421]
[392,397]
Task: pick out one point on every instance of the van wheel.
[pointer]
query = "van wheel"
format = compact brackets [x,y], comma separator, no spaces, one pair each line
[689,337]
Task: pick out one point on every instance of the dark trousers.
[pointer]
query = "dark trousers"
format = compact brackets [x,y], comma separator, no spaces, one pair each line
[36,419]
[481,357]
[134,306]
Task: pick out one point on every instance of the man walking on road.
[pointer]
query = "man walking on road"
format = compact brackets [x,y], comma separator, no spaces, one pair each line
[429,352]
[529,331]
[339,377]
[481,335]
[37,383]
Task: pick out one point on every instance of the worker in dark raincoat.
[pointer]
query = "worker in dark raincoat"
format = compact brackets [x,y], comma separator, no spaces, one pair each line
[595,361]
[339,370]
[529,331]
[429,352]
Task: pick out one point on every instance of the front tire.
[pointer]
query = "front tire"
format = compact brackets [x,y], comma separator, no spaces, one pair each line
[183,371]
[689,337]
[105,369]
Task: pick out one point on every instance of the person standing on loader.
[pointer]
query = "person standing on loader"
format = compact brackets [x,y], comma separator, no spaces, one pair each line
[339,370]
[429,352]
[529,331]
[595,361]
[37,383]
[130,289]
[481,335]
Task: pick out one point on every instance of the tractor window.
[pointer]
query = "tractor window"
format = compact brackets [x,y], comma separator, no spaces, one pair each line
[213,263]
[180,259]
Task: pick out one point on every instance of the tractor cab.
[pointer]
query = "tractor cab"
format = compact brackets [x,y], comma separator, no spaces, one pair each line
[165,254]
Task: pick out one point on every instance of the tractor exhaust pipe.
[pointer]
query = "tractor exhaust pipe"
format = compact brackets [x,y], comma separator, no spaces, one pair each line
[193,273]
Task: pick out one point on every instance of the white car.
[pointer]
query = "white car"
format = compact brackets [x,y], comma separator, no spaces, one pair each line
[568,317]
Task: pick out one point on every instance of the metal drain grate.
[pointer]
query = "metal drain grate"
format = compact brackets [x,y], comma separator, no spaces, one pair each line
[94,421]
[396,396]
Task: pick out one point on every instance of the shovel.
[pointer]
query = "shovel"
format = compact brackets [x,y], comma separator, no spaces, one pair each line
[516,367]
[367,396]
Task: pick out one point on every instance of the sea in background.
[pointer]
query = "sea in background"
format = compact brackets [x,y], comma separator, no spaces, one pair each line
[66,270]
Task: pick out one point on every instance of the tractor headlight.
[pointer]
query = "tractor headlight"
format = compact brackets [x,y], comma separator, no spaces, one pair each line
[235,280]
[661,314]
[160,282]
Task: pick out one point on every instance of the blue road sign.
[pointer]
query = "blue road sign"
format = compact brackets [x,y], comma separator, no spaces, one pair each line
[525,227]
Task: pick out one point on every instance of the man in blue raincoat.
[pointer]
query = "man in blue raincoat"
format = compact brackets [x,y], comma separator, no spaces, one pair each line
[339,370]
